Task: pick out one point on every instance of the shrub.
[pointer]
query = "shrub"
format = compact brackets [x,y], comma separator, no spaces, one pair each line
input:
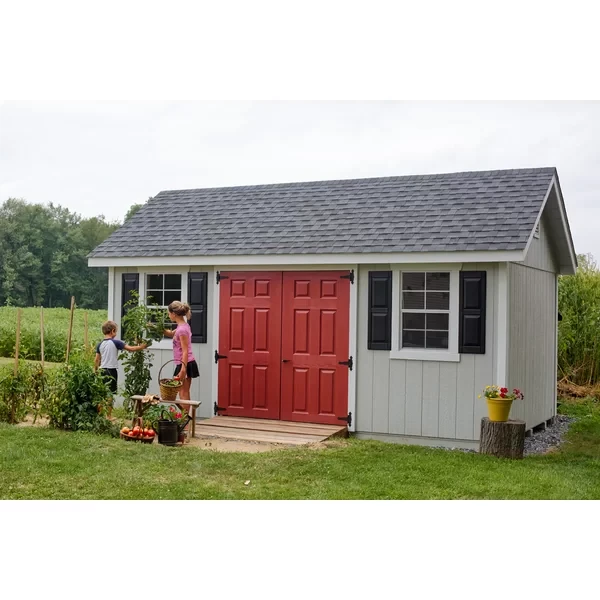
[77,397]
[141,324]
[15,392]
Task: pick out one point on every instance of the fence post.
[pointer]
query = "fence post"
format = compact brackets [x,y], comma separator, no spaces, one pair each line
[85,332]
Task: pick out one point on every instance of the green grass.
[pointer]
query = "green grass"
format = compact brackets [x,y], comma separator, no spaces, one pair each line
[11,361]
[46,464]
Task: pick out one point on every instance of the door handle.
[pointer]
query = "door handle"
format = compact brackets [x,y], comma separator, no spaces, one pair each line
[285,360]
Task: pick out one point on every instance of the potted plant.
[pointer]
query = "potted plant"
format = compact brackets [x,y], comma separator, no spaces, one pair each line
[499,401]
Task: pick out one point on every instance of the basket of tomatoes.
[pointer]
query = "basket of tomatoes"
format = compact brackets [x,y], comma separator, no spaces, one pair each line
[138,433]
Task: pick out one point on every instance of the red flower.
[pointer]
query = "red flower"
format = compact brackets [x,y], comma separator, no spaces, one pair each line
[503,391]
[502,394]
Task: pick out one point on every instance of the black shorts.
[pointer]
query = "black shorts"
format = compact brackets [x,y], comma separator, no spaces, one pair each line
[110,377]
[191,371]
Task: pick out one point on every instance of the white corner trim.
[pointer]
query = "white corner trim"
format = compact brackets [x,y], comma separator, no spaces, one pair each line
[216,315]
[502,330]
[353,347]
[111,294]
[311,259]
[425,355]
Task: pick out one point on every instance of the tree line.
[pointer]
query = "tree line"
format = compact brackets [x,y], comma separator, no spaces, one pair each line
[43,255]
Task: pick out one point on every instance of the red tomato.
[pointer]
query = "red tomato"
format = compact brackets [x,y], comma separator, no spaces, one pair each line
[150,432]
[136,430]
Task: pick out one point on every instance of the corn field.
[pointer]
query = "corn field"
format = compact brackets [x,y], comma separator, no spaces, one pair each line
[56,329]
[579,330]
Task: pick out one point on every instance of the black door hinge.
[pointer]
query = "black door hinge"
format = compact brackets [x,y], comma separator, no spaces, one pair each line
[218,408]
[350,276]
[348,363]
[219,277]
[218,357]
[348,419]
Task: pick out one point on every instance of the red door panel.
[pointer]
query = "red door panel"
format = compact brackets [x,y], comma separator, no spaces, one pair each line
[315,338]
[249,379]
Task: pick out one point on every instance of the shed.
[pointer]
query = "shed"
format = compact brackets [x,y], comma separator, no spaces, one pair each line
[385,303]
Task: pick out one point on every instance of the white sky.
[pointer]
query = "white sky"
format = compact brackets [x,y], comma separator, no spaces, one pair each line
[99,158]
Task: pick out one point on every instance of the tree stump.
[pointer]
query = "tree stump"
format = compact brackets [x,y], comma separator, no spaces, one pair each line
[505,439]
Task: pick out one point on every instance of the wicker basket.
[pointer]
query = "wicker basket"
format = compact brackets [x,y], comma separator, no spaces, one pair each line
[130,438]
[168,392]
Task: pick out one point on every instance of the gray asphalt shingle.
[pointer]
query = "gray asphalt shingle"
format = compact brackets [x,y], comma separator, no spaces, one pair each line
[481,210]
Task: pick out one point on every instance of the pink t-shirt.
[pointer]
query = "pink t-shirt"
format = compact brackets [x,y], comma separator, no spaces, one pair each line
[182,330]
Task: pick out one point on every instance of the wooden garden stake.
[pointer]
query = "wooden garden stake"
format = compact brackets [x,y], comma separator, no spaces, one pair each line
[85,331]
[70,327]
[18,341]
[42,335]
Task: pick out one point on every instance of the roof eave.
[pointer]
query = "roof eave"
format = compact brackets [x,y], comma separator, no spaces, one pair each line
[472,256]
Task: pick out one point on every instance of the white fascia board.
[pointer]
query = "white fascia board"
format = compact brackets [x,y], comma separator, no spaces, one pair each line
[563,269]
[539,217]
[308,259]
[572,268]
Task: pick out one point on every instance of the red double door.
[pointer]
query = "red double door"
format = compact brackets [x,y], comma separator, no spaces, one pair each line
[282,337]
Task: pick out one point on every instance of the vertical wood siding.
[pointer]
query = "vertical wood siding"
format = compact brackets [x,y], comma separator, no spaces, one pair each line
[533,314]
[422,398]
[201,386]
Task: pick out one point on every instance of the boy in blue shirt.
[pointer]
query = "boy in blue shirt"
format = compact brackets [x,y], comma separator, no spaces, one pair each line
[107,352]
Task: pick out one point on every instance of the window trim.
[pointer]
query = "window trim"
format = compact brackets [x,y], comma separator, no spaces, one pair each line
[434,354]
[165,343]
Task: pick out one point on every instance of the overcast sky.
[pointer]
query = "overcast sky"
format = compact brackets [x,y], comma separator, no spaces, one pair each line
[100,158]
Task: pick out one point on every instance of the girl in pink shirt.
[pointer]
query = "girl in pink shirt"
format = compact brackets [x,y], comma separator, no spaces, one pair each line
[186,367]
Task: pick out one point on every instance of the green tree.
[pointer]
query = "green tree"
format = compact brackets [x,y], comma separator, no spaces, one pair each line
[43,256]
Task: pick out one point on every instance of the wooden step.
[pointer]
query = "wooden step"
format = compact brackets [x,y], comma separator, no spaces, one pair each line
[257,436]
[275,426]
[268,430]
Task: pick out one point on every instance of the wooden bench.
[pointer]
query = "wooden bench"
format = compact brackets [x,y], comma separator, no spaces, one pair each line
[139,408]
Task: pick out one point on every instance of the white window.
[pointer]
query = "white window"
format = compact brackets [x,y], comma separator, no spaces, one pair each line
[425,313]
[162,289]
[162,286]
[425,310]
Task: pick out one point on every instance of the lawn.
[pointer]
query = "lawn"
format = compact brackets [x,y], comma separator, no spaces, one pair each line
[46,464]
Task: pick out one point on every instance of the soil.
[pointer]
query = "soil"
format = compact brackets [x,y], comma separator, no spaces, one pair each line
[204,442]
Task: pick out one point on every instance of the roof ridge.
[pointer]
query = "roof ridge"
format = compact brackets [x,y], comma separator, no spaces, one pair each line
[366,180]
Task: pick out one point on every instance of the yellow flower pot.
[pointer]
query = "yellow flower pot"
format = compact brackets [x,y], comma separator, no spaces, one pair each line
[498,409]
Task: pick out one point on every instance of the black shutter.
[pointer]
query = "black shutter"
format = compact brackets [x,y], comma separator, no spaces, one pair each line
[197,294]
[471,334]
[380,310]
[130,283]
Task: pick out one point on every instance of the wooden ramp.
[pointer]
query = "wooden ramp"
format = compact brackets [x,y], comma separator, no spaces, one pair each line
[267,430]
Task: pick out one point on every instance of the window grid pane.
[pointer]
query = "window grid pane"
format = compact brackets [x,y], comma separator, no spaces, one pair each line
[425,310]
[163,289]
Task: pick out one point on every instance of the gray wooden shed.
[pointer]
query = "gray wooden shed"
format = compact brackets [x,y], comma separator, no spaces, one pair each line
[385,303]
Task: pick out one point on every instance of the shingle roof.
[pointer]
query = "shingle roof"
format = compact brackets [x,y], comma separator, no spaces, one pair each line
[481,210]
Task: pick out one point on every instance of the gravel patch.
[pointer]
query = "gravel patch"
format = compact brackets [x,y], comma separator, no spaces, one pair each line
[543,441]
